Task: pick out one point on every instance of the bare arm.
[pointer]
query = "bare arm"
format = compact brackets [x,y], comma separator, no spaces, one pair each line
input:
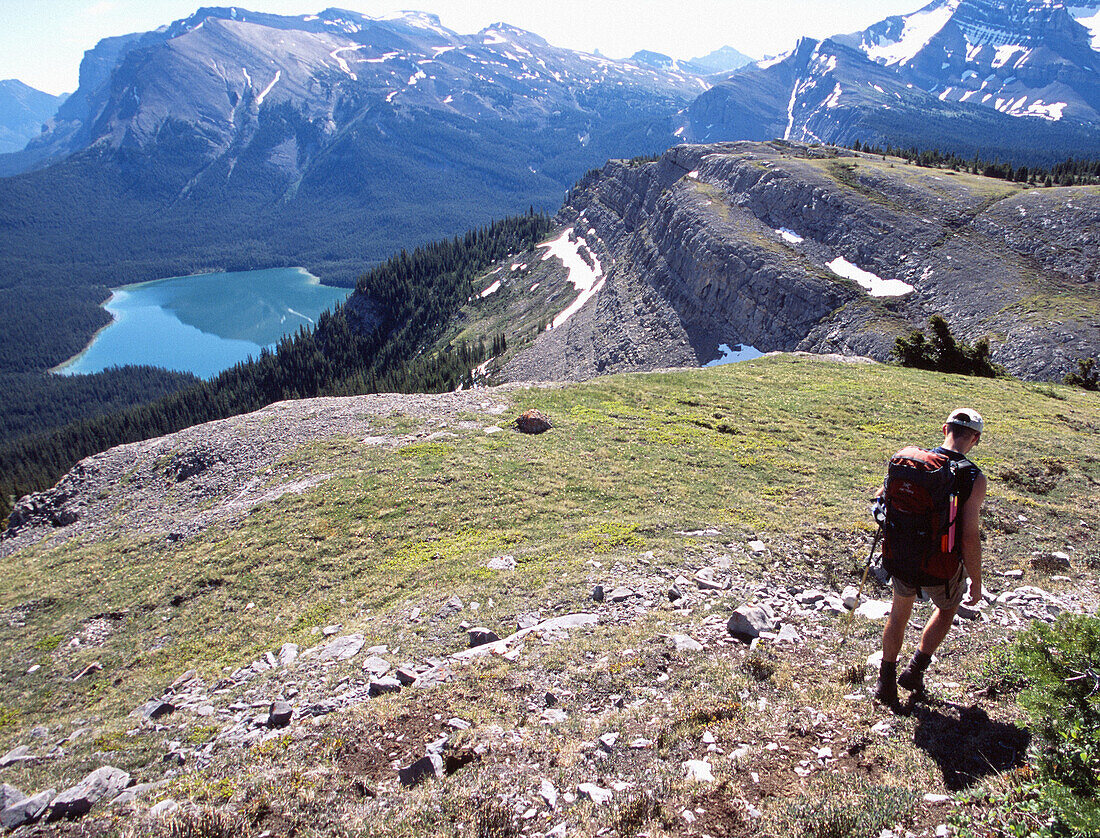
[971,539]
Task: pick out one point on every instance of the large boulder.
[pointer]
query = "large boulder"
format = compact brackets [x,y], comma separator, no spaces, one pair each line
[748,621]
[76,801]
[27,810]
[533,422]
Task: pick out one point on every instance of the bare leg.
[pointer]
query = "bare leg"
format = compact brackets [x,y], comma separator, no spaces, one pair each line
[935,630]
[894,634]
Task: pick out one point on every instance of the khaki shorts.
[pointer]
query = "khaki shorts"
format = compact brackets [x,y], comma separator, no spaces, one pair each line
[938,593]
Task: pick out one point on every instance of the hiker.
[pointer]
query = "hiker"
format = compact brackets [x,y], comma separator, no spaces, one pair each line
[940,568]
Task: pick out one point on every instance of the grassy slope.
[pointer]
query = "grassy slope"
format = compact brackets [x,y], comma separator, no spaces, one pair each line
[785,449]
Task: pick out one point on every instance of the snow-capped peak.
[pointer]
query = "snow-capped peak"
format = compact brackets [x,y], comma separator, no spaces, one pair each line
[917,30]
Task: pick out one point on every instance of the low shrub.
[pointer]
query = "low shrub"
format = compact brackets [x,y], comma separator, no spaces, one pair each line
[843,805]
[943,353]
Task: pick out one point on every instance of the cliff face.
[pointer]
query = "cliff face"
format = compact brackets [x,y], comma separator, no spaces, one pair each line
[745,243]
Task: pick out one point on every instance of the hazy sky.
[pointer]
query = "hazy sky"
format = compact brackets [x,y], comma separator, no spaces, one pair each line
[42,41]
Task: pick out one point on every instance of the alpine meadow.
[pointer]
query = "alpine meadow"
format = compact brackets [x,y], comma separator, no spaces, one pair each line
[561,521]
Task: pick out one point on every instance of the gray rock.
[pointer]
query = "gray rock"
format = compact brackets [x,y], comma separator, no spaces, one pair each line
[480,635]
[548,793]
[288,653]
[279,714]
[675,594]
[502,563]
[429,765]
[376,665]
[154,709]
[343,648]
[607,742]
[27,810]
[107,782]
[788,634]
[684,643]
[135,792]
[747,621]
[405,676]
[21,753]
[9,796]
[599,796]
[383,686]
[165,807]
[622,595]
[598,594]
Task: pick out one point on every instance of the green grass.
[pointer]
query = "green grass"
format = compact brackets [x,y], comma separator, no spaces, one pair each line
[789,449]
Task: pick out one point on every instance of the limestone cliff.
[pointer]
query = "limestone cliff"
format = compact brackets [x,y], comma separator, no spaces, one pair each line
[744,244]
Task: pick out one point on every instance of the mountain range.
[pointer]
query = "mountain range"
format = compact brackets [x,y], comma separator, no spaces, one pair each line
[235,140]
[23,112]
[1019,79]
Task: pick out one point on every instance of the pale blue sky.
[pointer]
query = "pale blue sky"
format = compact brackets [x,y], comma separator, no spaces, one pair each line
[42,41]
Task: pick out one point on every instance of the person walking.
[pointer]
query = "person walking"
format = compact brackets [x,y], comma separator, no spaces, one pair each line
[961,432]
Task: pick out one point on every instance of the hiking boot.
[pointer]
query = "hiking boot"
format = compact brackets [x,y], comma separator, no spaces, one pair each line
[886,691]
[886,687]
[912,677]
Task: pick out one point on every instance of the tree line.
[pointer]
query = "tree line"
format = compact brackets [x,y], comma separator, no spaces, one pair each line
[1069,172]
[378,341]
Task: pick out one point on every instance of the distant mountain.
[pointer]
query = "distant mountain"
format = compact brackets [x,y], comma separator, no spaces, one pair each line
[724,60]
[23,111]
[1015,78]
[240,140]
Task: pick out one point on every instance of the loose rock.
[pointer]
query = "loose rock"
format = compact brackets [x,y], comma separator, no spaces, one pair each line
[747,621]
[27,810]
[76,801]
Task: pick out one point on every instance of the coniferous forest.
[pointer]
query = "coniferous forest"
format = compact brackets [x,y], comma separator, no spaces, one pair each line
[376,342]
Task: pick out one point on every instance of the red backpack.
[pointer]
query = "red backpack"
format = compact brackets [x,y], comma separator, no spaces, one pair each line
[921,495]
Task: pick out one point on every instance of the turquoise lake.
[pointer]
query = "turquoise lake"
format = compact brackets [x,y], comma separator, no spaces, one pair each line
[206,323]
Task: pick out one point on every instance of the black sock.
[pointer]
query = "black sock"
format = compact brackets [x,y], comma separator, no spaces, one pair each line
[888,670]
[920,661]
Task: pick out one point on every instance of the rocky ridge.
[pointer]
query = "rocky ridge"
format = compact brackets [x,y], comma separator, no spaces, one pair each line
[701,684]
[738,244]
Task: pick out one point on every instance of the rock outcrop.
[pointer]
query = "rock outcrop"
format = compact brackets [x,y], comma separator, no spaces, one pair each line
[745,244]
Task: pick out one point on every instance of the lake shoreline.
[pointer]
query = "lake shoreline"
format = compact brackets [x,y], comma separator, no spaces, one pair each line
[203,323]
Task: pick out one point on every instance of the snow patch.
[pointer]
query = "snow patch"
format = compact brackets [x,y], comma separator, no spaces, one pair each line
[1053,112]
[1005,54]
[492,289]
[790,236]
[732,356]
[875,285]
[694,173]
[274,81]
[589,280]
[389,56]
[771,62]
[335,55]
[1090,19]
[920,28]
[834,97]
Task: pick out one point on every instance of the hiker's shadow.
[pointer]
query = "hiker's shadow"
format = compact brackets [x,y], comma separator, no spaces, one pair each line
[965,743]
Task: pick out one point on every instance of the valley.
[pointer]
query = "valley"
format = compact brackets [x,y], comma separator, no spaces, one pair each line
[534,504]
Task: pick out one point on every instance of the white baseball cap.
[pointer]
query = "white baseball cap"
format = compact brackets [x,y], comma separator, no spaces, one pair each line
[967,418]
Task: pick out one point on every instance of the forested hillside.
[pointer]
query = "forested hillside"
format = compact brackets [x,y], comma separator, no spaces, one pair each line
[373,343]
